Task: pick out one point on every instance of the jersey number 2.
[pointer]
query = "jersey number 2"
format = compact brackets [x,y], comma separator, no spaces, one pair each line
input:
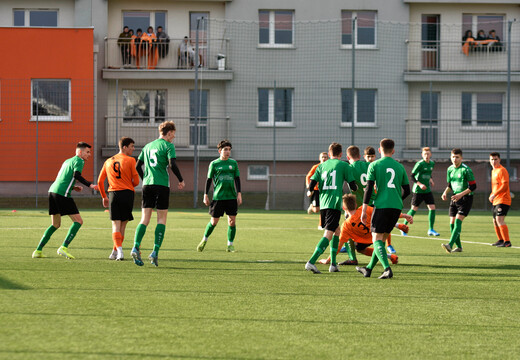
[391,184]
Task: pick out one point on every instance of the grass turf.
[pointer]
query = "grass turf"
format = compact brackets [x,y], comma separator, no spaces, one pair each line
[257,303]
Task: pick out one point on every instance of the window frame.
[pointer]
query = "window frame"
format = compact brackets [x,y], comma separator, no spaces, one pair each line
[151,117]
[257,177]
[356,123]
[474,112]
[272,30]
[152,19]
[355,35]
[27,17]
[475,28]
[52,118]
[271,110]
[202,119]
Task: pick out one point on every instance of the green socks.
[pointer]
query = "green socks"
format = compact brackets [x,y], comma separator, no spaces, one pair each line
[320,249]
[159,237]
[231,231]
[431,219]
[455,233]
[71,234]
[334,243]
[139,234]
[379,254]
[412,213]
[46,237]
[209,229]
[351,250]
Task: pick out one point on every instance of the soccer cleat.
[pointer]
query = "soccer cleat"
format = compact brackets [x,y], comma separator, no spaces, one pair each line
[153,259]
[136,255]
[403,233]
[120,257]
[391,249]
[432,232]
[230,248]
[498,243]
[312,267]
[365,271]
[37,254]
[457,250]
[348,262]
[324,261]
[63,251]
[113,255]
[387,274]
[320,228]
[343,249]
[309,209]
[404,228]
[505,244]
[446,247]
[393,258]
[333,268]
[201,246]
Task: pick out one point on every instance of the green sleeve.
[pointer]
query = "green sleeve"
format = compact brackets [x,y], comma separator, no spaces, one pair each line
[78,164]
[211,171]
[416,169]
[448,179]
[371,175]
[469,175]
[237,171]
[349,173]
[171,151]
[141,156]
[405,178]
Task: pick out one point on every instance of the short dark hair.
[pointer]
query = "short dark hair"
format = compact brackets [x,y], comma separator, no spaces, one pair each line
[353,151]
[426,148]
[83,145]
[223,144]
[166,127]
[349,201]
[456,151]
[335,148]
[387,145]
[125,27]
[159,27]
[139,30]
[369,150]
[125,141]
[493,154]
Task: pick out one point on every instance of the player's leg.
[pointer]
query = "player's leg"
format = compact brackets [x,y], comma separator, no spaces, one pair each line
[116,238]
[216,210]
[430,203]
[232,230]
[55,224]
[497,228]
[389,246]
[322,244]
[77,222]
[502,211]
[453,213]
[160,229]
[334,249]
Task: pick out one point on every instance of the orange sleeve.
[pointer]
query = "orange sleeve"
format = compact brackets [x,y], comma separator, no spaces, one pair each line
[310,173]
[101,181]
[135,174]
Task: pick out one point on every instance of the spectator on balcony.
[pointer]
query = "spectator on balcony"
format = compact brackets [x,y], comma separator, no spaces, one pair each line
[149,43]
[495,45]
[124,43]
[186,53]
[135,47]
[163,42]
[481,44]
[468,42]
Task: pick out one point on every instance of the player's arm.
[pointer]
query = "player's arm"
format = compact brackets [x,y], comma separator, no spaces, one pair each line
[135,175]
[206,191]
[444,195]
[177,172]
[472,185]
[353,185]
[139,168]
[81,179]
[310,188]
[101,186]
[406,191]
[366,200]
[238,187]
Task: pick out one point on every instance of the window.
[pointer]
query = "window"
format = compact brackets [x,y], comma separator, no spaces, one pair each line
[203,34]
[144,106]
[364,110]
[482,109]
[50,100]
[143,19]
[203,117]
[364,31]
[276,28]
[275,106]
[258,172]
[483,22]
[429,111]
[39,17]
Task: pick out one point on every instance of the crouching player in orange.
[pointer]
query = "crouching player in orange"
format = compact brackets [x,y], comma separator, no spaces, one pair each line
[356,235]
[122,179]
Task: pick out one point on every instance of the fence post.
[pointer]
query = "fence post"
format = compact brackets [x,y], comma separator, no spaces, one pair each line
[274,147]
[37,137]
[196,125]
[353,78]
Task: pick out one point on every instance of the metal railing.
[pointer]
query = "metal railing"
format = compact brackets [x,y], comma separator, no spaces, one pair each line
[165,55]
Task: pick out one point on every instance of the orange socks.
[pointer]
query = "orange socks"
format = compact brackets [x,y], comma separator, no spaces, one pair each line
[499,234]
[118,240]
[505,232]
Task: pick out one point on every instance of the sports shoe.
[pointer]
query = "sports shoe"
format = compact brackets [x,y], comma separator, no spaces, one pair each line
[230,248]
[37,254]
[393,258]
[120,257]
[333,268]
[320,228]
[324,261]
[136,255]
[432,232]
[113,255]
[446,247]
[403,227]
[309,209]
[457,250]
[153,259]
[348,262]
[505,244]
[365,271]
[391,249]
[403,233]
[387,274]
[201,246]
[63,251]
[312,267]
[343,249]
[498,243]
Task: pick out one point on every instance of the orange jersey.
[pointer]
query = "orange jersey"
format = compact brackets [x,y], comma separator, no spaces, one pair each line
[309,175]
[121,173]
[500,186]
[352,227]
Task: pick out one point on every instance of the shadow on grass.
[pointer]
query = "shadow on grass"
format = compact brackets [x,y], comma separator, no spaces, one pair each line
[9,285]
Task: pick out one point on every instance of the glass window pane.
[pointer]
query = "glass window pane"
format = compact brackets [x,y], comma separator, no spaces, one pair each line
[283,26]
[136,105]
[366,106]
[467,23]
[466,108]
[491,22]
[160,106]
[283,105]
[346,105]
[136,20]
[203,25]
[43,18]
[19,17]
[346,27]
[50,97]
[203,103]
[160,20]
[366,26]
[263,23]
[203,117]
[263,105]
[425,105]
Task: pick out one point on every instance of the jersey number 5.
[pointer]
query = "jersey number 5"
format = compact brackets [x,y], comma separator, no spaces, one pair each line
[153,157]
[332,186]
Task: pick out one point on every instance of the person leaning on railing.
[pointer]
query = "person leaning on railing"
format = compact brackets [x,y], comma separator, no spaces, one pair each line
[124,43]
[163,42]
[497,45]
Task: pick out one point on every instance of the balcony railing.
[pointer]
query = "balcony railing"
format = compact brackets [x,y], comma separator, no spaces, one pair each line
[165,55]
[460,57]
[143,130]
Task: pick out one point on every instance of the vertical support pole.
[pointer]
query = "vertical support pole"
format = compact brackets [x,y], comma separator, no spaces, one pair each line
[274,146]
[117,111]
[430,117]
[508,163]
[37,137]
[196,124]
[352,140]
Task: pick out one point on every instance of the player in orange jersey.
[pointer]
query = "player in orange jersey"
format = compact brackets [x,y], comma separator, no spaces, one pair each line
[122,179]
[500,197]
[315,199]
[354,229]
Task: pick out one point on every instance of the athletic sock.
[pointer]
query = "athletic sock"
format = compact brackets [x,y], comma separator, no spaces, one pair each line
[373,261]
[231,231]
[498,232]
[320,249]
[209,230]
[504,230]
[334,242]
[389,240]
[379,250]
[351,250]
[73,230]
[412,213]
[46,237]
[455,233]
[159,237]
[140,230]
[117,239]
[431,218]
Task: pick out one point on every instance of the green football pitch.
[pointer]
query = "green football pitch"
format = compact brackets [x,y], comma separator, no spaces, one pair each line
[256,303]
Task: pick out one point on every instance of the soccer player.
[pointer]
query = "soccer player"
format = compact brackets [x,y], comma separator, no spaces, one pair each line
[122,179]
[422,177]
[500,197]
[359,171]
[61,203]
[462,182]
[315,199]
[156,156]
[227,196]
[330,176]
[389,176]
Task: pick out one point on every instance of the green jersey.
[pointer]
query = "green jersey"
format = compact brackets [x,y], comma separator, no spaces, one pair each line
[223,174]
[330,176]
[64,182]
[359,171]
[422,172]
[459,178]
[389,176]
[156,156]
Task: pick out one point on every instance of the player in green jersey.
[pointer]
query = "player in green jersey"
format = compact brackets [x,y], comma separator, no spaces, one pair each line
[156,156]
[422,176]
[389,176]
[330,176]
[227,196]
[61,203]
[462,182]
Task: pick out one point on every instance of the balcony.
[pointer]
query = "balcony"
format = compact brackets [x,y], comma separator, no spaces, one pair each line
[164,61]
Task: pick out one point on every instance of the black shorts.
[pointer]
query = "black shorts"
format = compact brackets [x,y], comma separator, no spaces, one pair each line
[362,246]
[500,210]
[61,205]
[330,219]
[315,198]
[218,207]
[462,207]
[121,204]
[418,198]
[156,196]
[384,220]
